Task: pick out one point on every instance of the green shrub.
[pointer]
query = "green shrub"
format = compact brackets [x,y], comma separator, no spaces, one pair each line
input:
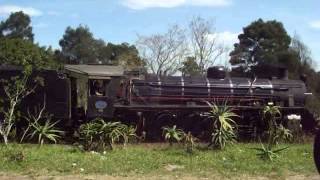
[173,134]
[99,135]
[223,125]
[42,131]
[89,135]
[267,152]
[276,132]
[128,134]
[45,132]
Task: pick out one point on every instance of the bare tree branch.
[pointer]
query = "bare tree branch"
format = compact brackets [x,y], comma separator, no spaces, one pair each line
[163,52]
[15,90]
[206,49]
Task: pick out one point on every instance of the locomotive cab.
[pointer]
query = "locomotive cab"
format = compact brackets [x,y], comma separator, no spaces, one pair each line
[93,89]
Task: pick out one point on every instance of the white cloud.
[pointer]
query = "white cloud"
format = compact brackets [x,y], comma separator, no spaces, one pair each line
[7,9]
[315,24]
[144,4]
[212,3]
[225,38]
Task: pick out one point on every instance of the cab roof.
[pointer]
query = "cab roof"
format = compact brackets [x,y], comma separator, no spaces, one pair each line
[95,71]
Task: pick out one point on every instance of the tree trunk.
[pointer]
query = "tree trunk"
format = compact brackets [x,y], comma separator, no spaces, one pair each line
[5,139]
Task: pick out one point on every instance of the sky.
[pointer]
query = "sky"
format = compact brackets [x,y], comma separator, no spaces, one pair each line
[120,21]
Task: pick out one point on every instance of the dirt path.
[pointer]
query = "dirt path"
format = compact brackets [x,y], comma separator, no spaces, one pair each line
[107,177]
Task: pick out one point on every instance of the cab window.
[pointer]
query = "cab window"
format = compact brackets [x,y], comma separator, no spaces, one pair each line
[98,87]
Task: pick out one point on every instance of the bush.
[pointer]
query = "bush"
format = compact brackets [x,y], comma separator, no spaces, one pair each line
[276,132]
[42,131]
[173,134]
[99,135]
[223,126]
[45,132]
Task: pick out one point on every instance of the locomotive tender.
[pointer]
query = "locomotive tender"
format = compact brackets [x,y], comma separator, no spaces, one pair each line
[84,92]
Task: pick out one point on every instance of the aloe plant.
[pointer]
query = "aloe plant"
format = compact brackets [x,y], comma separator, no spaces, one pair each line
[98,134]
[88,134]
[42,131]
[268,153]
[128,134]
[223,125]
[172,134]
[46,131]
[276,132]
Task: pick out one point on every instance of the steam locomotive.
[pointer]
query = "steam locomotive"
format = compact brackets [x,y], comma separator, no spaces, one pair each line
[83,92]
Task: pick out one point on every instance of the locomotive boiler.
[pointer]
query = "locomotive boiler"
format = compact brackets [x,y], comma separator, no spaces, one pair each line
[182,100]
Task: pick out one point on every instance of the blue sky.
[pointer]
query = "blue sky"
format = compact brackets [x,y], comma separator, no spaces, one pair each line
[119,21]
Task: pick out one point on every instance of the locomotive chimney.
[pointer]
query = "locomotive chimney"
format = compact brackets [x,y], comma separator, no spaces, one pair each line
[216,72]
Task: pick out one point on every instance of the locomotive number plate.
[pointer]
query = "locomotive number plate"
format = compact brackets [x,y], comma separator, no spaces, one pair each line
[101,104]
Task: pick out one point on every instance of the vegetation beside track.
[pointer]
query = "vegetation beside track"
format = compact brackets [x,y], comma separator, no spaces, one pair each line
[155,160]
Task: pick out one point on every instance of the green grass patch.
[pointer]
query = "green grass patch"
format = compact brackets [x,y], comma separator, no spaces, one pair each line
[154,159]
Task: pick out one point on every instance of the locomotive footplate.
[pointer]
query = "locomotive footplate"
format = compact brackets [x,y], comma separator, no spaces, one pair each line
[194,108]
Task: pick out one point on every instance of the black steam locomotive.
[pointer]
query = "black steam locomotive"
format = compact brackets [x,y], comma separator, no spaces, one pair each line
[169,100]
[83,92]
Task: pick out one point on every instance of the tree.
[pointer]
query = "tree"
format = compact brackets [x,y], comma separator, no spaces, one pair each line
[302,51]
[163,53]
[269,39]
[23,52]
[17,47]
[305,67]
[79,46]
[125,55]
[15,90]
[17,26]
[205,47]
[190,67]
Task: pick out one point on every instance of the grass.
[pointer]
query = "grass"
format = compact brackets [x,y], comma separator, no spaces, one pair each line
[152,159]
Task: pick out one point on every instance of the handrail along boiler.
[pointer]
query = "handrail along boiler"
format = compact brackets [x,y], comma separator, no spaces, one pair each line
[181,100]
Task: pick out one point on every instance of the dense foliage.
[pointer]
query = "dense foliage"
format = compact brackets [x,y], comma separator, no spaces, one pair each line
[80,47]
[190,67]
[266,43]
[17,46]
[18,25]
[24,53]
[273,43]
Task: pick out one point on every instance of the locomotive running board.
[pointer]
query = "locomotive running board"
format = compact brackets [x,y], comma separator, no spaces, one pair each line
[199,107]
